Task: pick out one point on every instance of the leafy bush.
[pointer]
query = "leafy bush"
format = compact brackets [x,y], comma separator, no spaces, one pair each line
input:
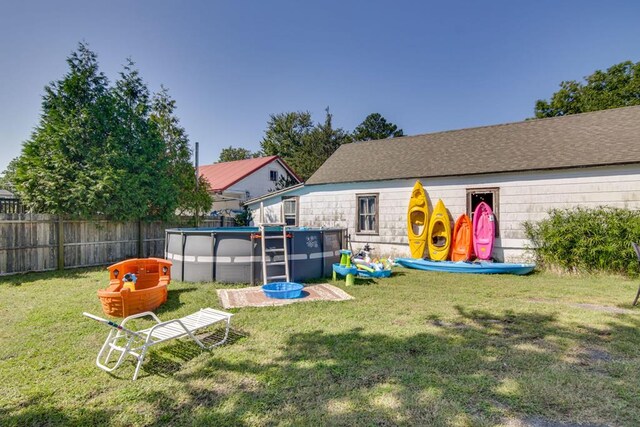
[244,218]
[588,240]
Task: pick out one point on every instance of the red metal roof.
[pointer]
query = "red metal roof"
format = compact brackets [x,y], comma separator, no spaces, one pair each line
[223,175]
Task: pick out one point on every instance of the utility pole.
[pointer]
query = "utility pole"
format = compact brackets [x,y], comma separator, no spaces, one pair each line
[197,183]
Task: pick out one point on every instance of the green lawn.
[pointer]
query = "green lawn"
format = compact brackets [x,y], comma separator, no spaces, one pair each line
[415,349]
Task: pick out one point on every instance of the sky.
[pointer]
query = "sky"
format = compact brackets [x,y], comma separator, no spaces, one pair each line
[426,66]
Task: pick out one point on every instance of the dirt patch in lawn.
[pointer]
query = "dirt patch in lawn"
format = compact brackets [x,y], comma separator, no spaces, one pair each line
[594,307]
[543,422]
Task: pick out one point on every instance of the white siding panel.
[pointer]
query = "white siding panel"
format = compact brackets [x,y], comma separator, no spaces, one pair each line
[258,183]
[523,197]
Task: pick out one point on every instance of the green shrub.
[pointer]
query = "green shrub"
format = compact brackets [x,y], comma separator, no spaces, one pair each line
[244,218]
[589,240]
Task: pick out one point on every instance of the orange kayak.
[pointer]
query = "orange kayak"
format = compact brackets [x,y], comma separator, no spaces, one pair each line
[462,247]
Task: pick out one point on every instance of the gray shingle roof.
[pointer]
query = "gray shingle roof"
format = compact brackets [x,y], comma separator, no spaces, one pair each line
[591,139]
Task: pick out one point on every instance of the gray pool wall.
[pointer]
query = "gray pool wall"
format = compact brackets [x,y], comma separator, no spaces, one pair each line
[233,255]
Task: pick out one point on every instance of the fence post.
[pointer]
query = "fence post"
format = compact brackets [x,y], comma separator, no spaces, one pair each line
[140,240]
[60,242]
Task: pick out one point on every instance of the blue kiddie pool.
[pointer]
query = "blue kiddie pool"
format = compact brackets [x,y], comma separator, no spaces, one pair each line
[283,290]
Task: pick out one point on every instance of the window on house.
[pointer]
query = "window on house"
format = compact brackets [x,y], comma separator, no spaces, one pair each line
[488,195]
[273,175]
[367,213]
[290,210]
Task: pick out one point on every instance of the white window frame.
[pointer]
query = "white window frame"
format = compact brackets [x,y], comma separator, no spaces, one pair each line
[374,215]
[294,216]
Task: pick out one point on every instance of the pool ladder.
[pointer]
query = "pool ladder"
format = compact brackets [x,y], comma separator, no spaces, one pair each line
[266,263]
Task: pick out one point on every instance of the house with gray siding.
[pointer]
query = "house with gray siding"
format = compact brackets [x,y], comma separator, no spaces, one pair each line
[521,169]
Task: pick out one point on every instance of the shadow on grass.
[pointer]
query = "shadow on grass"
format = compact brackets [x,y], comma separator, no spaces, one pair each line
[173,300]
[71,274]
[364,281]
[361,280]
[171,358]
[36,412]
[479,368]
[485,368]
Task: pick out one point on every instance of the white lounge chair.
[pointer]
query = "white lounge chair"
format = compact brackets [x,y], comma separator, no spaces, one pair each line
[136,343]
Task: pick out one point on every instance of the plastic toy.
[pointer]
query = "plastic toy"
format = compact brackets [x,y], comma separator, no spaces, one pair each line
[345,268]
[368,268]
[135,286]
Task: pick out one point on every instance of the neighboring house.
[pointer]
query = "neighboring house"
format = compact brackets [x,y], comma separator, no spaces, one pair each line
[232,183]
[9,203]
[521,169]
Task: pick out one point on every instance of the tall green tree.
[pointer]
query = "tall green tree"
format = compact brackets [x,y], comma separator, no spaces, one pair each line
[60,169]
[317,146]
[231,154]
[139,154]
[373,127]
[191,198]
[109,150]
[8,177]
[618,86]
[284,181]
[284,134]
[301,143]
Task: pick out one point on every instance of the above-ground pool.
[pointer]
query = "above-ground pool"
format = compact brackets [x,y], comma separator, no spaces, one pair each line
[233,254]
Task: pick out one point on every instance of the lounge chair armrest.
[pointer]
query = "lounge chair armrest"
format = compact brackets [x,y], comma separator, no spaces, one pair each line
[144,314]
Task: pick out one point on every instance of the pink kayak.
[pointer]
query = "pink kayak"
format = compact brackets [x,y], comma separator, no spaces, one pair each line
[484,229]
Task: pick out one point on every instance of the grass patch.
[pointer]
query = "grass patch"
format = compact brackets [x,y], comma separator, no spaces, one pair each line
[418,348]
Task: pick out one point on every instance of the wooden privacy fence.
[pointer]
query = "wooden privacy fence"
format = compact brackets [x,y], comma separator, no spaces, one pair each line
[41,242]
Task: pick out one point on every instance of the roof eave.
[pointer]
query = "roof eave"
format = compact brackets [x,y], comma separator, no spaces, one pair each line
[273,194]
[476,173]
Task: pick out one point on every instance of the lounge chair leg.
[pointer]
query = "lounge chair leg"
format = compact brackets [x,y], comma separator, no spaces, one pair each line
[635,301]
[113,342]
[140,360]
[222,341]
[226,332]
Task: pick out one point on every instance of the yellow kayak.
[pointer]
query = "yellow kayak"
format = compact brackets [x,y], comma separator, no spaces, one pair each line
[439,240]
[417,221]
